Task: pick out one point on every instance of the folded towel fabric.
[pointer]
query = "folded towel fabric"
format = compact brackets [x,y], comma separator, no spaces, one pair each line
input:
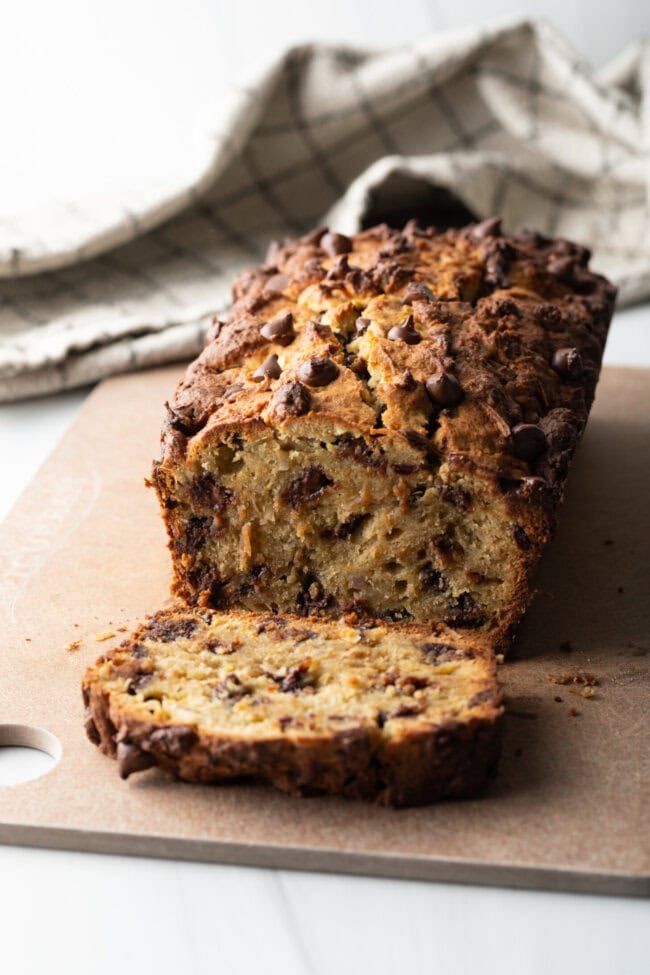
[508,121]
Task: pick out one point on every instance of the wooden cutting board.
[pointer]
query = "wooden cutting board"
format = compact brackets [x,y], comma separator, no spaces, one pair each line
[83,552]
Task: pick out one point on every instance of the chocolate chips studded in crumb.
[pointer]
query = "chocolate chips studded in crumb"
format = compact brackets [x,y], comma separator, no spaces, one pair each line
[347,528]
[167,630]
[432,579]
[221,647]
[312,599]
[195,535]
[360,451]
[521,538]
[305,488]
[439,653]
[295,678]
[455,496]
[207,493]
[464,613]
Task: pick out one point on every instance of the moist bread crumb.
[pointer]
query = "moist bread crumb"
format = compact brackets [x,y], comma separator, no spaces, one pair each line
[402,714]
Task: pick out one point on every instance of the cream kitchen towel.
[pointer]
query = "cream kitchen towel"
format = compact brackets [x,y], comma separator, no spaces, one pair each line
[508,119]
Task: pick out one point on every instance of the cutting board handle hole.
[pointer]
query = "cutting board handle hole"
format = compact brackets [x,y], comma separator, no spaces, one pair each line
[26,753]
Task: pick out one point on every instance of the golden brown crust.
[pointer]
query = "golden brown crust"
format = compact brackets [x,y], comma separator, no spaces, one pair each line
[400,761]
[502,308]
[466,351]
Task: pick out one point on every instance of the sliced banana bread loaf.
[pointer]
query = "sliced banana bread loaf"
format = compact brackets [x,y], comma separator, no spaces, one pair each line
[404,714]
[384,424]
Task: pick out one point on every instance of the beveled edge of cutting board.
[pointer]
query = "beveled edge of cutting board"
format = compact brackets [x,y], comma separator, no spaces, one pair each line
[330,860]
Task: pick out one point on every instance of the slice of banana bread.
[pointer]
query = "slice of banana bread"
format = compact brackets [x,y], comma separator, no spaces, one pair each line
[404,714]
[384,424]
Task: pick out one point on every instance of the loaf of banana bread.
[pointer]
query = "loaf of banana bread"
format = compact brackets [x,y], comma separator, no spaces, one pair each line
[383,425]
[400,713]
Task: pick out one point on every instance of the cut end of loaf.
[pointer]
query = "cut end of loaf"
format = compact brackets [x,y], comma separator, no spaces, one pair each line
[333,523]
[399,714]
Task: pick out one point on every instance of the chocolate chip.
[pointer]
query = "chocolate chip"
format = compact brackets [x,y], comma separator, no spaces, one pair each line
[296,679]
[293,399]
[230,688]
[360,451]
[444,389]
[223,648]
[307,487]
[417,440]
[359,280]
[175,741]
[315,236]
[464,613]
[455,495]
[562,268]
[333,244]
[270,369]
[568,363]
[405,332]
[391,276]
[357,365]
[348,528]
[437,653]
[431,579]
[131,758]
[276,284]
[487,228]
[496,255]
[138,681]
[339,268]
[407,711]
[318,371]
[313,598]
[521,538]
[214,331]
[417,291]
[279,329]
[166,630]
[528,441]
[361,325]
[206,492]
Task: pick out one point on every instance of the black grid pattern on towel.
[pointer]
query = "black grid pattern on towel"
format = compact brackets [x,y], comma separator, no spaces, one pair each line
[492,121]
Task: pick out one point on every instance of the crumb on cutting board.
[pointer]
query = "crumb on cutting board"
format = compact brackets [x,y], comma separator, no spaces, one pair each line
[580,677]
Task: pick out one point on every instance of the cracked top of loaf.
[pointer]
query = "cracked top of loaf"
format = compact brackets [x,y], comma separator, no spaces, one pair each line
[468,343]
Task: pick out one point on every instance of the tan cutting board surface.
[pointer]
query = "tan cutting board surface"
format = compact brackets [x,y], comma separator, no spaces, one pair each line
[570,807]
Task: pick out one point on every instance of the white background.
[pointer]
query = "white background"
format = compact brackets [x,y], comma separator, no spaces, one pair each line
[92,93]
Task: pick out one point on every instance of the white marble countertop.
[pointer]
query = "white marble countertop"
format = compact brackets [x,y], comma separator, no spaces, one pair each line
[86,80]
